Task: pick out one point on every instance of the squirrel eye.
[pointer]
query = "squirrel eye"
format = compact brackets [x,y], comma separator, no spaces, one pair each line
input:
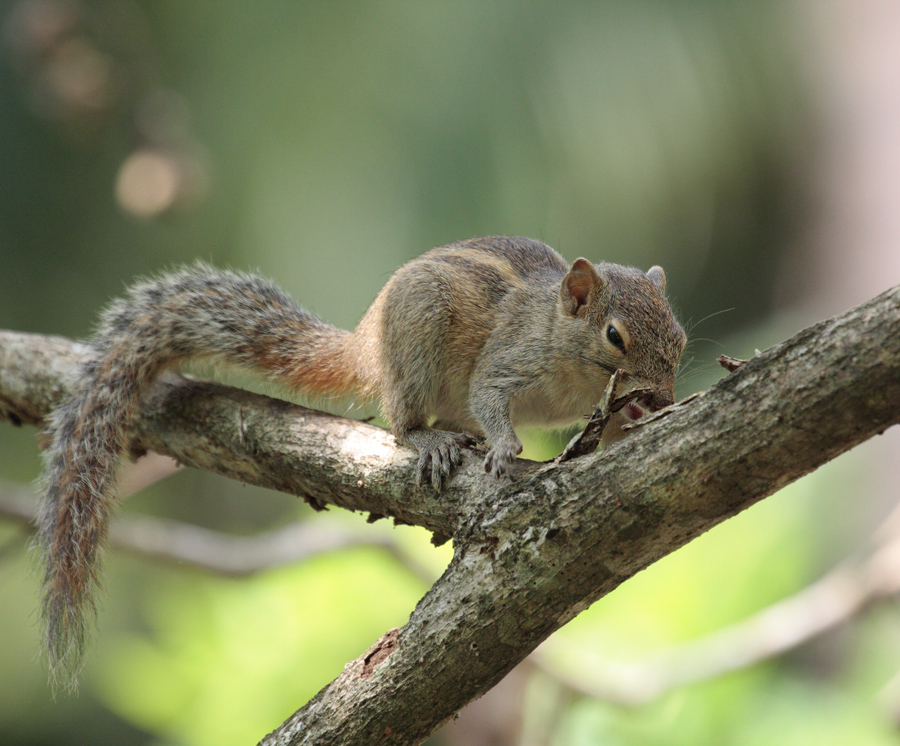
[612,334]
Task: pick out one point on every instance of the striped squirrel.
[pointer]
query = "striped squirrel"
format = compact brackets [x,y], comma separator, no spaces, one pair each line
[480,336]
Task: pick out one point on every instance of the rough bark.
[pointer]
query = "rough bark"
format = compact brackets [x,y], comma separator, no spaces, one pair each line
[532,551]
[325,459]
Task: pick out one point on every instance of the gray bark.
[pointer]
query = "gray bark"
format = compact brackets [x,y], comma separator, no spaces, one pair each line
[531,551]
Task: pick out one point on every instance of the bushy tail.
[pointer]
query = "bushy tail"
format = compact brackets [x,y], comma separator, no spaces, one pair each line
[195,312]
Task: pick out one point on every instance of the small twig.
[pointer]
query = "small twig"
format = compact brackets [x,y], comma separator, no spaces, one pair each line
[846,591]
[731,364]
[588,439]
[223,554]
[660,413]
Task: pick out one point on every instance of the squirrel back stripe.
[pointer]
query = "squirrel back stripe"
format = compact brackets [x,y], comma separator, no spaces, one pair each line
[192,313]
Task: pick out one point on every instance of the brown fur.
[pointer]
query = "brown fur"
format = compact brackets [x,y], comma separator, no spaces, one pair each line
[478,336]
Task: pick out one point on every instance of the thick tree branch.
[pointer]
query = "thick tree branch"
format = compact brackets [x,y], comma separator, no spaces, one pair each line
[325,459]
[535,550]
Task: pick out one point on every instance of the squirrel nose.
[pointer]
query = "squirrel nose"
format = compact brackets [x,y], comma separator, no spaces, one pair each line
[660,399]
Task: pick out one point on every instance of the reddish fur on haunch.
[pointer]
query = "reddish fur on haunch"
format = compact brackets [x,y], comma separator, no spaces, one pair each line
[477,336]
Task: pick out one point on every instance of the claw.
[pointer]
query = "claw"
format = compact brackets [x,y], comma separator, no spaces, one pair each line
[439,452]
[422,467]
[437,470]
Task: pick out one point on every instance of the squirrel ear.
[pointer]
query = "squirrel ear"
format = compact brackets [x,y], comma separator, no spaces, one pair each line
[577,286]
[657,277]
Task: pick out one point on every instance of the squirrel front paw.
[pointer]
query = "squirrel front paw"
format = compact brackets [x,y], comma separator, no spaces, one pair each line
[502,455]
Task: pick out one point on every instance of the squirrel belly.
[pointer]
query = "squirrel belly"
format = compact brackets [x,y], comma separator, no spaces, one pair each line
[476,336]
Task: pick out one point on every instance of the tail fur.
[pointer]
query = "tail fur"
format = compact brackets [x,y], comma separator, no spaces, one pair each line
[195,312]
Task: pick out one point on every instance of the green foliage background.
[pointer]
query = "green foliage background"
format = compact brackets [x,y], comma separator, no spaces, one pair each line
[338,140]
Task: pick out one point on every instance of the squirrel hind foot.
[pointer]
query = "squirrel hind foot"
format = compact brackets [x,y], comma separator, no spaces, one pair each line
[439,452]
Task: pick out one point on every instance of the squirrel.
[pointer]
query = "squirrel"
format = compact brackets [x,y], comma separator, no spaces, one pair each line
[479,336]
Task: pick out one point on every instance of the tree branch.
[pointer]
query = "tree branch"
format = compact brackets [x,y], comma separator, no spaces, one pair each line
[184,544]
[535,550]
[325,459]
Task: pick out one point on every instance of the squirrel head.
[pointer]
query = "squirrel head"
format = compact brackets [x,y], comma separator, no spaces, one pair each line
[622,319]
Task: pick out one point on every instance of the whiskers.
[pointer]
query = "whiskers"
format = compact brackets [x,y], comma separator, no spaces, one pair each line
[691,325]
[690,370]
